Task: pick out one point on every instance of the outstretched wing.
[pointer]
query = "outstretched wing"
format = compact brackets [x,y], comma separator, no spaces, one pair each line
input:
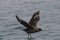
[35,18]
[23,22]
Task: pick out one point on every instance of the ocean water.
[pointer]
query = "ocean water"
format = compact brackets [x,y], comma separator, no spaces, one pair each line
[11,29]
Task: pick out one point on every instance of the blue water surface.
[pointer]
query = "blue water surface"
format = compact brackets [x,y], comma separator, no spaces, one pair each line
[10,29]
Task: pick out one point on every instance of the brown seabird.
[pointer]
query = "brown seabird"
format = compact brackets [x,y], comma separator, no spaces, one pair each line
[31,26]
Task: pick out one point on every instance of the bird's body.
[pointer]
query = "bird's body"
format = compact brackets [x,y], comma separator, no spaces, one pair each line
[31,26]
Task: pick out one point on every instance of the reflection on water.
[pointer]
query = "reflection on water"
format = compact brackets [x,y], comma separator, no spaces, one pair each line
[10,29]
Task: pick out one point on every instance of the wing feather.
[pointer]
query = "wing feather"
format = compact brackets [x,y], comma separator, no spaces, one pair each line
[23,22]
[35,18]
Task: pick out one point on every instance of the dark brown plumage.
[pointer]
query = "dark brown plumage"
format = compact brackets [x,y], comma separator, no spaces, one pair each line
[32,24]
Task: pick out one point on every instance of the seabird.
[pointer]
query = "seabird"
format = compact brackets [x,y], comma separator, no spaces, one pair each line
[31,26]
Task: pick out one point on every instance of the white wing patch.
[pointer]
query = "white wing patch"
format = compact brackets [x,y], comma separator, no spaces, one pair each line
[36,16]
